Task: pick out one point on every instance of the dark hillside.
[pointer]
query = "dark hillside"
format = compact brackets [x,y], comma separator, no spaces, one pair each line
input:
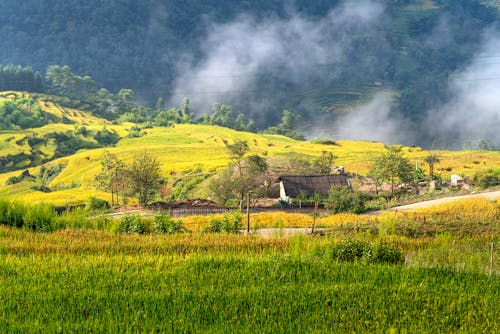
[158,48]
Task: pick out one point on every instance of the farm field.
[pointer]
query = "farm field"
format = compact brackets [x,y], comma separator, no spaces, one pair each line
[199,147]
[428,271]
[93,281]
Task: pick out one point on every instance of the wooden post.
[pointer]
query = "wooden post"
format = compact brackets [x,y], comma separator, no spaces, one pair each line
[492,248]
[248,213]
[314,215]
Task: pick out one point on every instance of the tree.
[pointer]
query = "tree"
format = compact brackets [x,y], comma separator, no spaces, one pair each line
[393,167]
[324,163]
[144,177]
[237,151]
[431,159]
[113,176]
[240,178]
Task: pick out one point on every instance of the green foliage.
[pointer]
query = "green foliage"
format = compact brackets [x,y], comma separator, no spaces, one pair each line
[48,172]
[222,115]
[355,250]
[230,222]
[95,203]
[393,167]
[106,137]
[164,224]
[185,186]
[131,224]
[12,213]
[237,150]
[288,126]
[21,113]
[488,177]
[324,163]
[144,177]
[135,132]
[39,218]
[341,199]
[20,79]
[24,176]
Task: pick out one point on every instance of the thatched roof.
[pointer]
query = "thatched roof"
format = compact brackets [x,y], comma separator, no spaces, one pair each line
[312,184]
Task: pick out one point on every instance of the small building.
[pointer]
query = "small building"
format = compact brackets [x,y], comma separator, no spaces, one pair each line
[294,185]
[456,180]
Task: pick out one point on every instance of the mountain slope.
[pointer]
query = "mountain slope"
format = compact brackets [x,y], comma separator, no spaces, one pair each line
[153,47]
[201,149]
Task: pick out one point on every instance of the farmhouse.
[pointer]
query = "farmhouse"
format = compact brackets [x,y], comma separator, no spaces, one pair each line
[294,185]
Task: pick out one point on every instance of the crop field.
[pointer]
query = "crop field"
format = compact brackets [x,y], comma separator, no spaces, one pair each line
[180,148]
[432,270]
[185,147]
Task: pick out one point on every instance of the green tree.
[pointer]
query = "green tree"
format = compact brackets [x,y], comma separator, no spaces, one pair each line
[431,159]
[237,151]
[324,163]
[241,177]
[393,167]
[112,177]
[144,177]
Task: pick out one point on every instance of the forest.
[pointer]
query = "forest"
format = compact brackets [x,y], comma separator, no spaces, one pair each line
[140,46]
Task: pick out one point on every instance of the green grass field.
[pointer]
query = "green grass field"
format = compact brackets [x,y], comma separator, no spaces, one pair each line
[92,281]
[426,271]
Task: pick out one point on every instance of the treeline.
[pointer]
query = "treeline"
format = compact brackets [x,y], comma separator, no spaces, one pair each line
[20,78]
[138,44]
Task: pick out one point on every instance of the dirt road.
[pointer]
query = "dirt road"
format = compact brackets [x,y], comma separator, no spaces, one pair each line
[489,195]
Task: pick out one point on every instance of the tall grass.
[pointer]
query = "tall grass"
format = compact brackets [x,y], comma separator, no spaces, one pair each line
[94,281]
[39,217]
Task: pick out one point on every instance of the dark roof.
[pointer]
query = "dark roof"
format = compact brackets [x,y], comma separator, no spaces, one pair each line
[311,184]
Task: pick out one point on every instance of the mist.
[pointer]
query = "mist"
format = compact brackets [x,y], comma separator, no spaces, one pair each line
[473,111]
[237,54]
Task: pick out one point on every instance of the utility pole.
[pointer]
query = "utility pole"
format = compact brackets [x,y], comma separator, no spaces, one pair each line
[248,213]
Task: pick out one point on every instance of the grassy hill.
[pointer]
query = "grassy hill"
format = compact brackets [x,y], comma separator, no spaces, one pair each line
[180,149]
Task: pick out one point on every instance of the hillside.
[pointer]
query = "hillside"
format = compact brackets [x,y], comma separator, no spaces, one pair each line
[328,57]
[183,150]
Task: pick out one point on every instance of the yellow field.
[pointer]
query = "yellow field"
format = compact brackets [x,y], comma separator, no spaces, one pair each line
[470,211]
[188,146]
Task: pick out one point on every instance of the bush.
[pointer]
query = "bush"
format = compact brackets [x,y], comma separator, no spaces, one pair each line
[41,218]
[230,222]
[485,178]
[95,203]
[131,224]
[350,250]
[164,223]
[354,250]
[383,253]
[75,218]
[344,200]
[12,214]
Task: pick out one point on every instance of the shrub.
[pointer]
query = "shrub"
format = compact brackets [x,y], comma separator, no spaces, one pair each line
[354,250]
[383,253]
[485,178]
[164,223]
[95,203]
[76,218]
[230,222]
[350,250]
[12,214]
[41,218]
[344,200]
[131,224]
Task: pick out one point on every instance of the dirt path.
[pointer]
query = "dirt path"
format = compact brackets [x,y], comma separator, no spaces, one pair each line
[488,195]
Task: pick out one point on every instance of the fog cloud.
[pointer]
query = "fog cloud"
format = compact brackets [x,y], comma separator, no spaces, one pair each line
[473,112]
[296,48]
